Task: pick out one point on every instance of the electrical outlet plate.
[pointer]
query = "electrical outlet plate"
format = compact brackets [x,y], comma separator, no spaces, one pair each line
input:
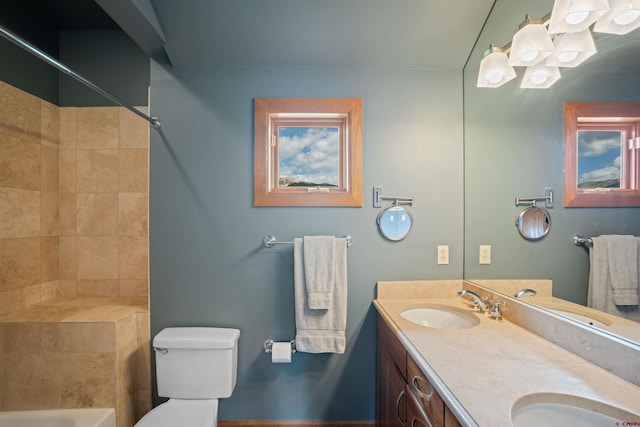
[485,254]
[443,254]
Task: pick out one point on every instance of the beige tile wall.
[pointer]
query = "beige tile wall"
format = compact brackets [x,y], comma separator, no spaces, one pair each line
[29,192]
[104,201]
[73,201]
[73,222]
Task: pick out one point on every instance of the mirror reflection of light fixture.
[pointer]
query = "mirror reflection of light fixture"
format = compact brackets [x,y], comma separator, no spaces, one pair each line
[569,22]
[531,44]
[572,49]
[622,17]
[569,16]
[495,69]
[540,76]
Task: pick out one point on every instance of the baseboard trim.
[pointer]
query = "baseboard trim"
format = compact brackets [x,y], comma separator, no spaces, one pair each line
[301,423]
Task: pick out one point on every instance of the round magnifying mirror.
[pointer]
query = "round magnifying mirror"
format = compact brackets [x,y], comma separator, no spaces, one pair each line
[395,222]
[533,223]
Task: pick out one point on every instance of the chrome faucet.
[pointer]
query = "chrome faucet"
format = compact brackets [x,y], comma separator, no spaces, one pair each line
[476,301]
[496,311]
[524,292]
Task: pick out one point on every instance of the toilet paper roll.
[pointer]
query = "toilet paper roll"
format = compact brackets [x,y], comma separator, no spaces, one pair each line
[281,352]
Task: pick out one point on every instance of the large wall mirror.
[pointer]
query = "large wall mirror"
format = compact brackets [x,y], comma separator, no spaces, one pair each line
[514,144]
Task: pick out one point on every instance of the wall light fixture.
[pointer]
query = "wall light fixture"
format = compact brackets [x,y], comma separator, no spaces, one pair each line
[569,16]
[495,69]
[531,44]
[572,49]
[562,38]
[622,18]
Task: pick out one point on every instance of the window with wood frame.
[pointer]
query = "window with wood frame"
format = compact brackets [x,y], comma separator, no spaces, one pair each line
[602,146]
[307,152]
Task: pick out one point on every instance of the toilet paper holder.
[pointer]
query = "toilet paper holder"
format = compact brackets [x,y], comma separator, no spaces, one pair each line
[268,346]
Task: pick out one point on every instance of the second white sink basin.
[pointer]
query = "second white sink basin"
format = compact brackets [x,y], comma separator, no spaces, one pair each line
[441,317]
[554,409]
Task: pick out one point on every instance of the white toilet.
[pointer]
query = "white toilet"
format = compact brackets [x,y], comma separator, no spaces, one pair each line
[194,368]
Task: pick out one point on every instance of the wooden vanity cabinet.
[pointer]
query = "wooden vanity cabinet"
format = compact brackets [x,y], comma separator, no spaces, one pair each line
[391,384]
[405,396]
[424,395]
[450,420]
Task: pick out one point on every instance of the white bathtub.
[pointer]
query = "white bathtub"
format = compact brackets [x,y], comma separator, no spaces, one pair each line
[92,417]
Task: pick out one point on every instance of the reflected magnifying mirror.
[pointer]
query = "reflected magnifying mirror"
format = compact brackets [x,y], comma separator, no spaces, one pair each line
[395,222]
[533,223]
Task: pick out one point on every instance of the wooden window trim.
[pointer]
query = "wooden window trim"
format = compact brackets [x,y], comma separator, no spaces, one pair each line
[575,197]
[266,110]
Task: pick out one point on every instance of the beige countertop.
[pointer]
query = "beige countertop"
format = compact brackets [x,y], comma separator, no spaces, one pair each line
[482,371]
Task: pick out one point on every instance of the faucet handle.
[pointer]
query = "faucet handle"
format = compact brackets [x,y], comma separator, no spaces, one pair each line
[526,291]
[496,312]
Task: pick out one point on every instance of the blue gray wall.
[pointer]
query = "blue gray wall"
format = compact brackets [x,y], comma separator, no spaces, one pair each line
[514,148]
[208,266]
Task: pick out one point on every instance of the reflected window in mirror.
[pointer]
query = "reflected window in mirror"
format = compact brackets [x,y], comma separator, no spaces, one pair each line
[307,152]
[602,146]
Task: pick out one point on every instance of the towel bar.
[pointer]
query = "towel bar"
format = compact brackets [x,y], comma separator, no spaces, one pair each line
[579,240]
[270,241]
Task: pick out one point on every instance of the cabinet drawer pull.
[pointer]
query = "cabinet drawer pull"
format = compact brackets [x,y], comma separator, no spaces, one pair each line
[416,388]
[400,396]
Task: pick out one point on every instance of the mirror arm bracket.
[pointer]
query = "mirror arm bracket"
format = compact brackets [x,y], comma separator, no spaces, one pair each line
[397,200]
[548,199]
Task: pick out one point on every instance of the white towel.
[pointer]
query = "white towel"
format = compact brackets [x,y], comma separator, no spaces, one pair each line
[321,331]
[319,270]
[600,293]
[623,268]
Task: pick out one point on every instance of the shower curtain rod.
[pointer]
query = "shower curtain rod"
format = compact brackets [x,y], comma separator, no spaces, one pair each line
[154,121]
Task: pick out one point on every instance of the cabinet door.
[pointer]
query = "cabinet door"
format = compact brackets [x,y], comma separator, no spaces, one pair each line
[426,396]
[450,420]
[392,398]
[416,416]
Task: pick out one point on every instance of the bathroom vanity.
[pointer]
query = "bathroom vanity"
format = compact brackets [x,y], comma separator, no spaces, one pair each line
[405,395]
[456,367]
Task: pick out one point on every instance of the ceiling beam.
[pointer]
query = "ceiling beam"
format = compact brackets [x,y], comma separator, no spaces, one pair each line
[138,19]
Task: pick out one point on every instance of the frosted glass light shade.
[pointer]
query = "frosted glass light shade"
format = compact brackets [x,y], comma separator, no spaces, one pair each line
[572,49]
[530,45]
[569,16]
[540,76]
[622,18]
[495,70]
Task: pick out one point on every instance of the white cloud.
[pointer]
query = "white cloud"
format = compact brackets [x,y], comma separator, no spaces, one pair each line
[591,144]
[312,156]
[602,174]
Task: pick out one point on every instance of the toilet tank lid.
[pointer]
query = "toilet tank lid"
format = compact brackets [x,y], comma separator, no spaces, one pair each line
[197,338]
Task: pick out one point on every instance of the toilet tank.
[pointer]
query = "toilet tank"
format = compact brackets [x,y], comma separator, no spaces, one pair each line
[196,362]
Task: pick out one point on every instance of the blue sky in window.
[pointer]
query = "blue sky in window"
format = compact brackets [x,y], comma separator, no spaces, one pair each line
[598,155]
[309,154]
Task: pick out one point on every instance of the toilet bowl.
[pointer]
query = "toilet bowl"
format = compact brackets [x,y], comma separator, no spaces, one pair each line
[177,412]
[194,368]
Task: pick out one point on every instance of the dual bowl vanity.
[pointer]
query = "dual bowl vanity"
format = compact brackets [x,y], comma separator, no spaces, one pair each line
[509,363]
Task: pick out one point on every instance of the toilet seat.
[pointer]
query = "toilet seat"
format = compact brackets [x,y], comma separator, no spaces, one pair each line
[183,413]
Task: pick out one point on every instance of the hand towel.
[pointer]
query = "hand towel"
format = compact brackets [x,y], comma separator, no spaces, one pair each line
[600,292]
[321,331]
[319,269]
[622,254]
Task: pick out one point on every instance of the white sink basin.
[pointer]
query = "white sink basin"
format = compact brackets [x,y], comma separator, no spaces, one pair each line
[441,317]
[553,409]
